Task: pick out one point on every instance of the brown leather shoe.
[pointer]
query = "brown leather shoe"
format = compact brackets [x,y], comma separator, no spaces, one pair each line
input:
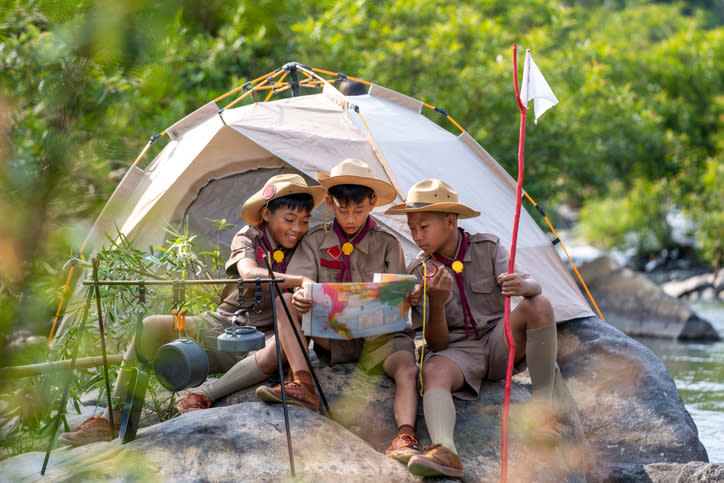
[436,460]
[403,447]
[192,402]
[297,395]
[545,431]
[93,429]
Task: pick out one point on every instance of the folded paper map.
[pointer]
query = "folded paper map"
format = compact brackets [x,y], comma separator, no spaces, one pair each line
[358,309]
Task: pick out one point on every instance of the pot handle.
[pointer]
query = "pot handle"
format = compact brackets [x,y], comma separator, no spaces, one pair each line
[179,322]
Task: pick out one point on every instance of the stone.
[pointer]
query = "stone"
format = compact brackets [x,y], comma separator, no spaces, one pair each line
[693,471]
[637,306]
[630,410]
[719,280]
[680,288]
[233,443]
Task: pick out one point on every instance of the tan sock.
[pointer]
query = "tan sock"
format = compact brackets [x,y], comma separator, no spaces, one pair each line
[243,374]
[305,379]
[541,347]
[439,410]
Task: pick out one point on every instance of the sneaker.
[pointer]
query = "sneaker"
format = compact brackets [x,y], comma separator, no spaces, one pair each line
[192,402]
[297,395]
[94,429]
[436,460]
[545,429]
[403,447]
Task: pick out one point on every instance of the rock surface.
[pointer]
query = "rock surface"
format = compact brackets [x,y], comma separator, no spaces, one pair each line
[620,412]
[638,307]
[631,412]
[694,471]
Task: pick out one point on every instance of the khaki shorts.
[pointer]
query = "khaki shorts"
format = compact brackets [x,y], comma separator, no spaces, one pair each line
[371,352]
[478,359]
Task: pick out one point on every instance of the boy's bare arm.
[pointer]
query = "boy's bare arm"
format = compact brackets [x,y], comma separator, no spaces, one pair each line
[438,290]
[512,284]
[248,269]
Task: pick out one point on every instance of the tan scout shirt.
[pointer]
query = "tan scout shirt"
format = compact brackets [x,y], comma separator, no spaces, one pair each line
[377,252]
[484,260]
[246,244]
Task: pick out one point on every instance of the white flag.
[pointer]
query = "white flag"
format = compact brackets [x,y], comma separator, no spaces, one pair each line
[534,86]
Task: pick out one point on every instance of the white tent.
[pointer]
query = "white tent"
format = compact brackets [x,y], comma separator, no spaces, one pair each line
[216,158]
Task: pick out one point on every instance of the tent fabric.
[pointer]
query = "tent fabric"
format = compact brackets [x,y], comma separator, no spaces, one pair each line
[216,159]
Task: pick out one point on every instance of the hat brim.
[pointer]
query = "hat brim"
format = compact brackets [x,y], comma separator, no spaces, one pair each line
[459,209]
[384,191]
[251,210]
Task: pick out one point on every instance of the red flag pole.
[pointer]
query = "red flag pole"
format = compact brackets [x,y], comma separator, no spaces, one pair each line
[511,269]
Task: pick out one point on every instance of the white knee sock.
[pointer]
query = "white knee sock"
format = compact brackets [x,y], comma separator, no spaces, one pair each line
[243,374]
[440,416]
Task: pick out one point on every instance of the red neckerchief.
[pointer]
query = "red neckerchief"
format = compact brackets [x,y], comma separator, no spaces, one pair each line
[281,266]
[467,313]
[344,269]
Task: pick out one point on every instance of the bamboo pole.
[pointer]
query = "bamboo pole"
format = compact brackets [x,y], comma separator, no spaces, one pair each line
[14,372]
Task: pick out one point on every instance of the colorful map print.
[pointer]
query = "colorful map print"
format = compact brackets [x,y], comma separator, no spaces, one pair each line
[352,310]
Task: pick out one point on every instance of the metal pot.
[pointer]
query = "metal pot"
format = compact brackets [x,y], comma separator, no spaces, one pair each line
[180,364]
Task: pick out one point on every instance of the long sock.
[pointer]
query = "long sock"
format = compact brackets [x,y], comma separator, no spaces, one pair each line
[243,374]
[439,411]
[540,351]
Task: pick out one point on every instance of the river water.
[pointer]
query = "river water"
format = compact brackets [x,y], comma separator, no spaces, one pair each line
[698,371]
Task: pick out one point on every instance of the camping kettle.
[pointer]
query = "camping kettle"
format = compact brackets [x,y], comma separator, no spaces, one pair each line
[240,338]
[182,363]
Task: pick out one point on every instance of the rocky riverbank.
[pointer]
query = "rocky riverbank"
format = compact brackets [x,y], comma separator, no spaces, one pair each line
[636,305]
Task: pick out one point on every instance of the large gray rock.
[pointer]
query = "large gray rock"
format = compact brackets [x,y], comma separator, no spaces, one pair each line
[245,442]
[631,412]
[620,412]
[362,403]
[639,307]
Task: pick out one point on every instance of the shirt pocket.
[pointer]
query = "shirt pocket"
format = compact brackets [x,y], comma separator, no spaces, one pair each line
[486,297]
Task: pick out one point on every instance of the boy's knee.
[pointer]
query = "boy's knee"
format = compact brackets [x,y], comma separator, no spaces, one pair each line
[432,371]
[538,310]
[408,370]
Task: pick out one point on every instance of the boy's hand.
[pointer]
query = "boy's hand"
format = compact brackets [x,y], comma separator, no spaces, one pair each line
[438,287]
[300,302]
[413,298]
[510,284]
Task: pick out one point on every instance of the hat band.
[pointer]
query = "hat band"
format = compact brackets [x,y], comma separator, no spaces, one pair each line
[418,204]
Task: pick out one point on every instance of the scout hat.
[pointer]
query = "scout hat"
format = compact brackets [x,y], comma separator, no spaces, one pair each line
[276,187]
[354,171]
[432,195]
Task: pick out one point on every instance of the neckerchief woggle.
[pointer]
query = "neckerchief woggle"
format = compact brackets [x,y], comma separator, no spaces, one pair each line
[347,248]
[279,255]
[457,268]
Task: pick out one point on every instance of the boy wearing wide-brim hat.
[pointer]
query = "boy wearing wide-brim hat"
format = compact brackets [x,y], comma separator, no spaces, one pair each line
[278,217]
[352,249]
[467,282]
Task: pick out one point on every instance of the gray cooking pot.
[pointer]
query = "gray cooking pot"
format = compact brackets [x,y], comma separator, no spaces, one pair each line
[180,364]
